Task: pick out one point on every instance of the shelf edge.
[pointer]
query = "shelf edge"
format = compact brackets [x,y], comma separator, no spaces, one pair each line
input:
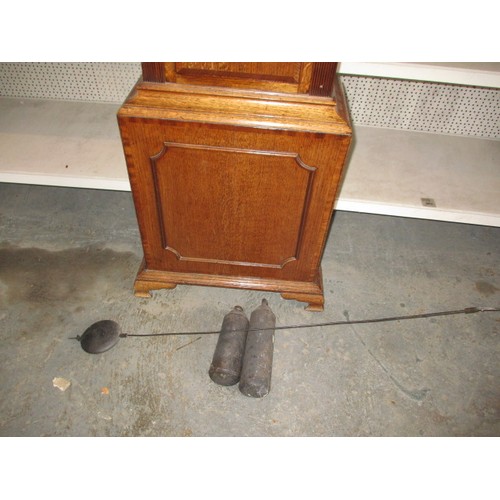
[423,72]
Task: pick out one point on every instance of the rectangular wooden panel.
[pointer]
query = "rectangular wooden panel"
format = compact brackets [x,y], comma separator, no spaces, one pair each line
[240,198]
[277,72]
[291,77]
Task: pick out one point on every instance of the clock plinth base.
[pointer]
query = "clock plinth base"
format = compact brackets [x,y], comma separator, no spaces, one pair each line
[316,303]
[148,280]
[234,169]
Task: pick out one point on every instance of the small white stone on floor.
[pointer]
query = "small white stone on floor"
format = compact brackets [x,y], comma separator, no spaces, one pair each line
[61,383]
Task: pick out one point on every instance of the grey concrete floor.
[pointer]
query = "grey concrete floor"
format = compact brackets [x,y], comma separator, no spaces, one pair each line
[68,258]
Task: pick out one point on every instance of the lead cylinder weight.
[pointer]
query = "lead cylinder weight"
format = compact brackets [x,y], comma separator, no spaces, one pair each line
[255,380]
[227,360]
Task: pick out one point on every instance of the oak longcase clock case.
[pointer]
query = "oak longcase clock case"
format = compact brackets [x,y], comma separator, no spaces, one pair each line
[234,169]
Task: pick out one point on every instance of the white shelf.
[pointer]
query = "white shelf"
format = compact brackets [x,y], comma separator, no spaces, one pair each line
[390,171]
[481,74]
[76,144]
[61,143]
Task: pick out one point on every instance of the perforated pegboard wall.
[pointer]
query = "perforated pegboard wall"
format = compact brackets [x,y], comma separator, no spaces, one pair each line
[423,106]
[377,102]
[87,81]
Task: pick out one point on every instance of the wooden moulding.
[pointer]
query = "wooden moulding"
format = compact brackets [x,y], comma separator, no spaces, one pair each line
[301,113]
[148,280]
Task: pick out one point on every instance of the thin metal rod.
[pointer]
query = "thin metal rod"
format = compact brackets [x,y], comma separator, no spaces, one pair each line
[467,310]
